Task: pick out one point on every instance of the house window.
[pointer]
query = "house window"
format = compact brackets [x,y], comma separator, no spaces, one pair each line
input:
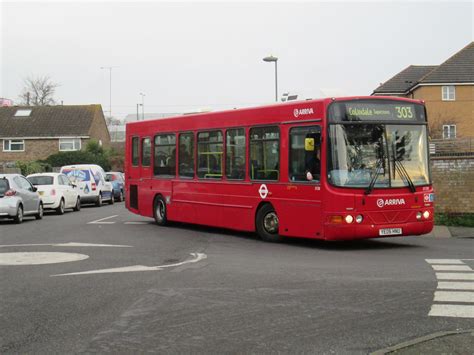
[448,93]
[449,131]
[13,145]
[69,144]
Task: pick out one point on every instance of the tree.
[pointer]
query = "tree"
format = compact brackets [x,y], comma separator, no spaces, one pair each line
[38,91]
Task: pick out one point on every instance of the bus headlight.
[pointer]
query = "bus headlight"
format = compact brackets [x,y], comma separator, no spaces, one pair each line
[426,214]
[418,215]
[349,219]
[359,218]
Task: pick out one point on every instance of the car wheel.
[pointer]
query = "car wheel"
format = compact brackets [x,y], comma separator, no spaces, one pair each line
[120,196]
[98,202]
[40,213]
[112,198]
[19,215]
[60,209]
[159,211]
[267,224]
[77,207]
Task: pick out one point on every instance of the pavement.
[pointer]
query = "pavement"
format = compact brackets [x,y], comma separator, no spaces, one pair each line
[449,232]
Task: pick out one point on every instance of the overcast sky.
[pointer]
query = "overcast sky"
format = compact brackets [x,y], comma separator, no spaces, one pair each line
[187,56]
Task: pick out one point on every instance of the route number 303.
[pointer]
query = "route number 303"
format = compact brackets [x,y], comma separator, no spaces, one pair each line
[404,112]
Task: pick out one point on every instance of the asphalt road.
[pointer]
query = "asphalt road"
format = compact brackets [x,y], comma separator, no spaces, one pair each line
[216,291]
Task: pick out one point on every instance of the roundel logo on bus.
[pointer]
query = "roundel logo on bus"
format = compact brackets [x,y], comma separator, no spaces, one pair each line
[390,202]
[302,111]
[263,191]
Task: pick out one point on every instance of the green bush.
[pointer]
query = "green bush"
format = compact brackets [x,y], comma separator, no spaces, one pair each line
[33,167]
[455,219]
[93,154]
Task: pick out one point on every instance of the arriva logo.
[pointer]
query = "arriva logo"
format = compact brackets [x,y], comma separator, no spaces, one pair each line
[390,202]
[303,111]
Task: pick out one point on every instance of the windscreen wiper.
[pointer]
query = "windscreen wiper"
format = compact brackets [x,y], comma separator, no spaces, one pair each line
[403,173]
[374,178]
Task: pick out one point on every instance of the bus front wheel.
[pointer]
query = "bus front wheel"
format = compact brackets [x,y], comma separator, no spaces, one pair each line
[159,211]
[267,224]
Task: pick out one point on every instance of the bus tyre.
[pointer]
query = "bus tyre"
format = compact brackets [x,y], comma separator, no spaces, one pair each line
[267,224]
[159,211]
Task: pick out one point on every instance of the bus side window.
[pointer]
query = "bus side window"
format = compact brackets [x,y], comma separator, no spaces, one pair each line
[265,153]
[146,151]
[235,154]
[164,155]
[135,151]
[186,155]
[305,148]
[210,151]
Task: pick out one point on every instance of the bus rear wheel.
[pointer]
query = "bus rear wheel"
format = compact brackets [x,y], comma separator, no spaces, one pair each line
[267,224]
[159,211]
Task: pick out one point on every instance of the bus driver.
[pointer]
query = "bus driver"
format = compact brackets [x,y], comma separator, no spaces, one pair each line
[313,165]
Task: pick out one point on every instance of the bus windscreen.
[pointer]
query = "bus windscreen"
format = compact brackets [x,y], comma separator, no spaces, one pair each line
[376,111]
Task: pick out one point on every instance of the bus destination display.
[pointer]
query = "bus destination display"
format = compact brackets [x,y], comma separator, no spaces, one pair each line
[376,111]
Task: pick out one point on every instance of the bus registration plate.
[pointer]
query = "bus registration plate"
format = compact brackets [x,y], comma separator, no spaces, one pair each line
[390,231]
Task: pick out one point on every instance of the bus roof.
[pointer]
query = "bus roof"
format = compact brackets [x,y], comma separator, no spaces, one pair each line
[294,111]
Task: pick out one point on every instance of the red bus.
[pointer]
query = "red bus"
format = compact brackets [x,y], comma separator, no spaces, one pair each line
[333,169]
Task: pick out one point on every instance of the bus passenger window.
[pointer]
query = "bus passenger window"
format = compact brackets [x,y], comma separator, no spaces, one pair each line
[210,148]
[305,148]
[165,155]
[235,154]
[146,151]
[135,151]
[186,155]
[265,153]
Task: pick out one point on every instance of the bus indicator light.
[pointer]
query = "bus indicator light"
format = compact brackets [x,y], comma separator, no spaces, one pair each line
[335,219]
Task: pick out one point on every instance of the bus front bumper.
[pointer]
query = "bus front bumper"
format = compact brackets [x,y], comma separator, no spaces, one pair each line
[365,231]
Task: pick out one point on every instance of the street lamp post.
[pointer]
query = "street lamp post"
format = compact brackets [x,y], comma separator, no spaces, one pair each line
[275,60]
[138,117]
[143,105]
[110,88]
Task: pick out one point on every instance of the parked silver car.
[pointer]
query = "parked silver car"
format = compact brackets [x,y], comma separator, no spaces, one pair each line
[19,198]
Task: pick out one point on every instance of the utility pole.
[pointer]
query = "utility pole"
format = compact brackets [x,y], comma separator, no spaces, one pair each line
[110,88]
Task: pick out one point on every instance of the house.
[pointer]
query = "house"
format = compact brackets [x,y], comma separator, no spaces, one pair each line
[447,89]
[35,132]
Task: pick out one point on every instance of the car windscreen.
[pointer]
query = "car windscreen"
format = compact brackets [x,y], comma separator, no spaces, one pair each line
[4,186]
[41,180]
[77,175]
[110,177]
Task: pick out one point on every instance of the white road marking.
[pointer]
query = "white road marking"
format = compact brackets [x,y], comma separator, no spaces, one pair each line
[444,261]
[101,221]
[38,258]
[451,310]
[454,291]
[444,285]
[70,244]
[454,296]
[451,268]
[136,223]
[196,258]
[454,276]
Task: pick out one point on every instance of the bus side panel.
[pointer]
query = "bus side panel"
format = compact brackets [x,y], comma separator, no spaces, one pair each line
[213,203]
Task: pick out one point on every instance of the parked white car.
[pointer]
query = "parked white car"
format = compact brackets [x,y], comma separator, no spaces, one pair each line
[56,191]
[90,179]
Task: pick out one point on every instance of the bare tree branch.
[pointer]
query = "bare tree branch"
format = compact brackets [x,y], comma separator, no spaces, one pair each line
[38,91]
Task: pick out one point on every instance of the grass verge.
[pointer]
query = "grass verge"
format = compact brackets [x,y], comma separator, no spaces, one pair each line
[455,219]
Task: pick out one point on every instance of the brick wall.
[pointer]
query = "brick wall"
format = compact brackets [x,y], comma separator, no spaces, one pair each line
[453,180]
[35,149]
